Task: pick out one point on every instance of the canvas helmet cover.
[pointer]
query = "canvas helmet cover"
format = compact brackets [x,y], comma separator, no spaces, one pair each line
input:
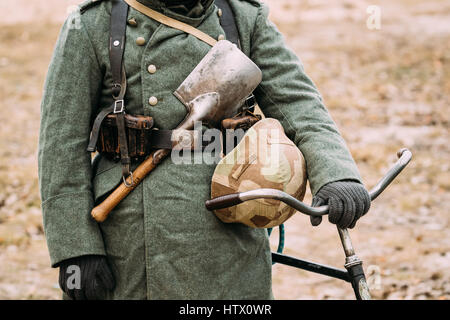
[265,158]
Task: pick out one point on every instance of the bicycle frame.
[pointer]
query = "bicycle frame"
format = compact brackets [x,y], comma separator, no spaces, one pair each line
[354,272]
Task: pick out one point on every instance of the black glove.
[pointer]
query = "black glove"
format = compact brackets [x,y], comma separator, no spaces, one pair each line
[348,201]
[95,277]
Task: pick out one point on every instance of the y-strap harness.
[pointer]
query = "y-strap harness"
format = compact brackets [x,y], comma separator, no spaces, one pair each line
[118,28]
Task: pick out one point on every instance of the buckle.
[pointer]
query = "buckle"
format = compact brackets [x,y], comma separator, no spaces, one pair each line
[119,106]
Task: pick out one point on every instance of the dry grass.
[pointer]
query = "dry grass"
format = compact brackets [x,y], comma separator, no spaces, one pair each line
[386,89]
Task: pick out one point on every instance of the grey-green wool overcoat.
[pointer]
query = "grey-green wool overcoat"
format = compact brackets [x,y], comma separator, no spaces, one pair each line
[161,241]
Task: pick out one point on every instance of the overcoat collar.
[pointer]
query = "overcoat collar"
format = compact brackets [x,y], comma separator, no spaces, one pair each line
[180,12]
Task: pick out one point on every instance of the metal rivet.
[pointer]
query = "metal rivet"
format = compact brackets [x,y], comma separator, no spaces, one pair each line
[140,41]
[219,12]
[116,43]
[153,101]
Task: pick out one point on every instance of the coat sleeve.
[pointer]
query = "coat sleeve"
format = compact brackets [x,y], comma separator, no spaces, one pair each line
[287,94]
[71,93]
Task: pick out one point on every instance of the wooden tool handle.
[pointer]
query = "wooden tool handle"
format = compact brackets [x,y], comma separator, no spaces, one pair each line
[102,211]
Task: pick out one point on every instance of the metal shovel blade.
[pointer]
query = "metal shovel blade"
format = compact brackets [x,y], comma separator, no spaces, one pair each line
[217,88]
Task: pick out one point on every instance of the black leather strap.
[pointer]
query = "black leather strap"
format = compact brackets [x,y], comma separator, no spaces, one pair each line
[228,22]
[96,127]
[162,139]
[119,15]
[123,144]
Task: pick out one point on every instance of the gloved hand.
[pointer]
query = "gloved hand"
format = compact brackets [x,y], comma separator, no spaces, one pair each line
[348,201]
[95,277]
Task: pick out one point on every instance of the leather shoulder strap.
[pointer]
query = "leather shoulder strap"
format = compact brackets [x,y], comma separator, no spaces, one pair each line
[161,18]
[119,14]
[228,22]
[118,29]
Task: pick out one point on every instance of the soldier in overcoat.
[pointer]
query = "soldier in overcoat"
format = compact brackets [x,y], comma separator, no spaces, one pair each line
[161,242]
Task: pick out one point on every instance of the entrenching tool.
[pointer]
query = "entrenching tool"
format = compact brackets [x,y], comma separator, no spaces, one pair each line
[215,90]
[355,273]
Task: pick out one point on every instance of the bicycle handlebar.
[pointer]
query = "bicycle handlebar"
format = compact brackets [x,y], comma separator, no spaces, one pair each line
[227,201]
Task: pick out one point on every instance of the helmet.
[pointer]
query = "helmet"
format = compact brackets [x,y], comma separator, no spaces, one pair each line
[265,158]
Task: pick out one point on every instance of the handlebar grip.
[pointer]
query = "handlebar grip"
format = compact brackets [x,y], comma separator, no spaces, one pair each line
[223,202]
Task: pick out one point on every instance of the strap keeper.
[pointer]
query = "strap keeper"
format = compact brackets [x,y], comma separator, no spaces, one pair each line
[119,106]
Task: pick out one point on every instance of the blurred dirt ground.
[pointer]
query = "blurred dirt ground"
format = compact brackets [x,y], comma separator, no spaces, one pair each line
[386,89]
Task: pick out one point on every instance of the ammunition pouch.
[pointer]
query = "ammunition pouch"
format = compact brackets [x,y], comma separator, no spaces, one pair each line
[138,131]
